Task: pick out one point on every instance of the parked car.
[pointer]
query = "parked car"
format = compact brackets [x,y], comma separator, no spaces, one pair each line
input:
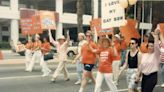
[71,51]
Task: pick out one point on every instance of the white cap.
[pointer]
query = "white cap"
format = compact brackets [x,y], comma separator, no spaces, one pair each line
[37,35]
[61,37]
[118,36]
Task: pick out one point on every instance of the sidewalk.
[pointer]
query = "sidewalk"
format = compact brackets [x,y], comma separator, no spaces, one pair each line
[12,58]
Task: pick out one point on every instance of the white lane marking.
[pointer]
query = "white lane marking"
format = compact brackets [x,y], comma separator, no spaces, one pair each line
[33,76]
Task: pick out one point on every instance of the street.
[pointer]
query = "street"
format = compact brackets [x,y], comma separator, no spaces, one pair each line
[13,78]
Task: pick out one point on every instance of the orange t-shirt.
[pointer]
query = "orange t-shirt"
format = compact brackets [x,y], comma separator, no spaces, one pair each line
[118,48]
[37,44]
[143,47]
[29,45]
[106,59]
[88,57]
[46,47]
[1,55]
[123,45]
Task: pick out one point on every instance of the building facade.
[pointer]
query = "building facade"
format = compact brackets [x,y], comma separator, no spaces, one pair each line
[10,15]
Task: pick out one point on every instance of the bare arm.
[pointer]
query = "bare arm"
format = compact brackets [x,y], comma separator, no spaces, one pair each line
[125,64]
[51,38]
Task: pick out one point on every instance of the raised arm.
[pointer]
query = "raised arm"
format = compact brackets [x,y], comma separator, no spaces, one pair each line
[51,38]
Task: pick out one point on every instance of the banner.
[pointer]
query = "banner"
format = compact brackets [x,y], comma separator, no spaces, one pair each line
[95,24]
[26,23]
[113,15]
[129,31]
[26,26]
[36,25]
[47,19]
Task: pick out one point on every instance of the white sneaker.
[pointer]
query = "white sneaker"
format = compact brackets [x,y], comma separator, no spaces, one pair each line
[116,83]
[46,74]
[162,85]
[77,82]
[28,70]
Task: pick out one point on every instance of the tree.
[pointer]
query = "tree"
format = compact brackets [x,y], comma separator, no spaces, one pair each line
[80,12]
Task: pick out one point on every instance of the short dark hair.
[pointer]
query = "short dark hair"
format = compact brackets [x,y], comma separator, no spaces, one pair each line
[150,41]
[135,39]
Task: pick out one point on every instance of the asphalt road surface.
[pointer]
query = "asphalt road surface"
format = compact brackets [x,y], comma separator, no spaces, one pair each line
[13,78]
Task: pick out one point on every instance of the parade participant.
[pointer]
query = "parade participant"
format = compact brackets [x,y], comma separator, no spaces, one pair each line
[79,66]
[88,59]
[116,62]
[143,47]
[133,59]
[1,55]
[106,54]
[45,48]
[161,44]
[61,45]
[28,52]
[37,53]
[150,64]
[123,50]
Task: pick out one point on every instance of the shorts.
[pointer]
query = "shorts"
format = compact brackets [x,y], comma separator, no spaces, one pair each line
[131,74]
[88,67]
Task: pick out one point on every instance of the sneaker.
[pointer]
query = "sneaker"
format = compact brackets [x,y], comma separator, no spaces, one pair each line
[162,85]
[67,79]
[46,74]
[116,83]
[77,82]
[52,80]
[28,70]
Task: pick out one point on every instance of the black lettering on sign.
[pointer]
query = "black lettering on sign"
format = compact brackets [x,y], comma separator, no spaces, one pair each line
[112,11]
[113,3]
[106,20]
[118,18]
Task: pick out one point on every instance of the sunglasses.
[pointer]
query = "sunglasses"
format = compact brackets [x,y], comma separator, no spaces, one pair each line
[88,35]
[132,43]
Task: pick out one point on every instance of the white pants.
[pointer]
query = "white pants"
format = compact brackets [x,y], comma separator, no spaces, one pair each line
[115,67]
[28,57]
[109,80]
[61,67]
[43,64]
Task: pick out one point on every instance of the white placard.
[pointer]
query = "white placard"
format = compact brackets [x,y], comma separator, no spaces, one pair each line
[112,14]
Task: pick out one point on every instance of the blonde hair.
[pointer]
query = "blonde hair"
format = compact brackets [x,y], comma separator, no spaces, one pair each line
[82,34]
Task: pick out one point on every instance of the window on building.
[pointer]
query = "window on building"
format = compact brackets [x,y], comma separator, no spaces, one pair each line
[5,28]
[38,4]
[5,38]
[4,2]
[69,6]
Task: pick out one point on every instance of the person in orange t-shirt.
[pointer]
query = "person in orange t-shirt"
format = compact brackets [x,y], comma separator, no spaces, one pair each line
[1,55]
[106,54]
[45,48]
[37,53]
[116,60]
[143,47]
[88,59]
[28,52]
